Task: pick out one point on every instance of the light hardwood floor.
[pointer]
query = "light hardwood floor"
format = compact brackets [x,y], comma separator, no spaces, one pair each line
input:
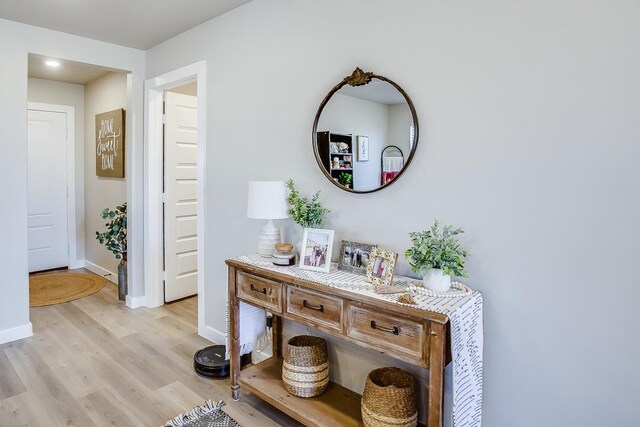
[94,362]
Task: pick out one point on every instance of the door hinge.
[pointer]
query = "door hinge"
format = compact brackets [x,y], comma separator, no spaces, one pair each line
[164,119]
[68,248]
[164,276]
[164,197]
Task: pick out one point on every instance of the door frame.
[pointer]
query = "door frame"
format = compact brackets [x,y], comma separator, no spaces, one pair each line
[72,233]
[153,184]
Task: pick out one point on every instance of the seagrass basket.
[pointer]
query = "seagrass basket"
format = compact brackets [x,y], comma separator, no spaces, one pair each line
[389,399]
[305,370]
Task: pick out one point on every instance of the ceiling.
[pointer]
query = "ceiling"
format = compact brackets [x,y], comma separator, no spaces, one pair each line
[377,91]
[139,24]
[68,71]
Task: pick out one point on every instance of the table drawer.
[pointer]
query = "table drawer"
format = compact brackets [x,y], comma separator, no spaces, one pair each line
[396,335]
[260,291]
[318,308]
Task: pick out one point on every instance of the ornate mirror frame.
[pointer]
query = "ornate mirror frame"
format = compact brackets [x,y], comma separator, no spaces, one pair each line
[361,78]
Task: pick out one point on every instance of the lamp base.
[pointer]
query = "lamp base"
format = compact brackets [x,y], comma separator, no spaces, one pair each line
[267,239]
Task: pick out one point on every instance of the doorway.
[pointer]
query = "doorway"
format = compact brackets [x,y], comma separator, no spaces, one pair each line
[50,175]
[180,192]
[154,235]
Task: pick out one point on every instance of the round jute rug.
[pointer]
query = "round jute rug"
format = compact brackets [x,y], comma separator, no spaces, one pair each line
[56,288]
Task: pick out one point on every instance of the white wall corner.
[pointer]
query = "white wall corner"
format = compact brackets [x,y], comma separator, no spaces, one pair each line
[136,302]
[16,333]
[213,335]
[109,275]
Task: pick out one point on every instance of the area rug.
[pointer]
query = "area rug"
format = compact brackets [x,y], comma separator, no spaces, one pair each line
[58,287]
[208,415]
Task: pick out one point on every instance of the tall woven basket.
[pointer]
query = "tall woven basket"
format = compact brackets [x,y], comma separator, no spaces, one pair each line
[305,371]
[389,399]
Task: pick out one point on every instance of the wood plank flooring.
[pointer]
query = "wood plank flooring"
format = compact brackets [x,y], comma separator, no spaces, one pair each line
[94,362]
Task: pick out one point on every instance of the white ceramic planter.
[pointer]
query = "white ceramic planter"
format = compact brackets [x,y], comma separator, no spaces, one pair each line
[436,280]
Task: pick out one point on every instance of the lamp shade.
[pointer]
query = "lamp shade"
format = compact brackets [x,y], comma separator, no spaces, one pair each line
[266,200]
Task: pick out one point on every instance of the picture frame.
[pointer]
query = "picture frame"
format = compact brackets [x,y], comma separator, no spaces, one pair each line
[317,247]
[362,145]
[381,266]
[110,140]
[354,257]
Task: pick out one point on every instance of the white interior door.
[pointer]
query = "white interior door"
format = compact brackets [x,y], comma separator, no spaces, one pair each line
[47,190]
[180,209]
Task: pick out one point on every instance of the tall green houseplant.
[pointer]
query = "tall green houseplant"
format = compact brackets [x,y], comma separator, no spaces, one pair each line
[115,239]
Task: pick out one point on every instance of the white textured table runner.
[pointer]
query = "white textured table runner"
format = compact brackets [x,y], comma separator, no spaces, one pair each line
[465,317]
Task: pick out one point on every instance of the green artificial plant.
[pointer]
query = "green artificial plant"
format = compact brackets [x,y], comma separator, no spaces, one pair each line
[115,238]
[345,179]
[307,213]
[437,248]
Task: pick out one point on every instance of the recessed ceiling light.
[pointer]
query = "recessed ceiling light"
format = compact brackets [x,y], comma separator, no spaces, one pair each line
[52,64]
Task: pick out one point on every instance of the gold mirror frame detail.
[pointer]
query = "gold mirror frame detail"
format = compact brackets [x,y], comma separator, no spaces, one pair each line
[360,78]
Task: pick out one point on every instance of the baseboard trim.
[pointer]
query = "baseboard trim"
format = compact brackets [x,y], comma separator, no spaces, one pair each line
[213,335]
[136,302]
[110,276]
[16,333]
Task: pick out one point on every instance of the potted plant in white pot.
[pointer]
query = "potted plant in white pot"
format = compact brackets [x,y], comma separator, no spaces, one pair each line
[115,239]
[436,255]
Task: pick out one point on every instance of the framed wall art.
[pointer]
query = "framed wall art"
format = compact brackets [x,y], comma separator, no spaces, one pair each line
[317,246]
[354,257]
[362,145]
[110,144]
[381,266]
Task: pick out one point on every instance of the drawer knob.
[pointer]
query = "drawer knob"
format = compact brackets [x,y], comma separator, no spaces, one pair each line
[395,330]
[262,291]
[319,308]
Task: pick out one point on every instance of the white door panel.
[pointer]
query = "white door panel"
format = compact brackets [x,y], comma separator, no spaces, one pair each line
[180,212]
[47,190]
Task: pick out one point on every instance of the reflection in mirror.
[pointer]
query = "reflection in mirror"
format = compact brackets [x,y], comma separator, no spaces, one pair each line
[364,134]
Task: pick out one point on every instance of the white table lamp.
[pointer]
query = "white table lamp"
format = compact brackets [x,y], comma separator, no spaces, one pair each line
[267,201]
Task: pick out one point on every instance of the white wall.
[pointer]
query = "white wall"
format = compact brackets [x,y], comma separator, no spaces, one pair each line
[52,92]
[106,93]
[400,122]
[18,40]
[529,140]
[349,115]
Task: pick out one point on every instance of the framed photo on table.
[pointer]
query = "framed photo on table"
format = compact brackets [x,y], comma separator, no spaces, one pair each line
[354,257]
[317,246]
[381,266]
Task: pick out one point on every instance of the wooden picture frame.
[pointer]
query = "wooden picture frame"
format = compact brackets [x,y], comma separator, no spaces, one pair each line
[381,266]
[317,247]
[110,139]
[354,257]
[362,145]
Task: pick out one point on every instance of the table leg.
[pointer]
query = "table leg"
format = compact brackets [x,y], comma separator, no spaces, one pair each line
[277,335]
[436,374]
[234,336]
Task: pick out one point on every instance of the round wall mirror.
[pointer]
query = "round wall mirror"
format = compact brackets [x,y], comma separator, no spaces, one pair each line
[365,133]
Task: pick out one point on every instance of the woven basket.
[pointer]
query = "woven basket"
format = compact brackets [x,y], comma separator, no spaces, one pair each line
[389,399]
[305,371]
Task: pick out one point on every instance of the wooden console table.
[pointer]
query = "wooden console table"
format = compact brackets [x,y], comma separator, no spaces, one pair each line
[413,335]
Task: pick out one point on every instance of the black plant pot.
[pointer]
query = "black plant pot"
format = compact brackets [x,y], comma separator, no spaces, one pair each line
[122,280]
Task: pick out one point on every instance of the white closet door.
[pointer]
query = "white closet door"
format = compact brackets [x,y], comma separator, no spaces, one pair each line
[180,211]
[47,190]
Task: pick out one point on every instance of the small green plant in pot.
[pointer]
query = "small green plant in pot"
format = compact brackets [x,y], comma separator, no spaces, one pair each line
[345,179]
[306,212]
[436,255]
[115,239]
